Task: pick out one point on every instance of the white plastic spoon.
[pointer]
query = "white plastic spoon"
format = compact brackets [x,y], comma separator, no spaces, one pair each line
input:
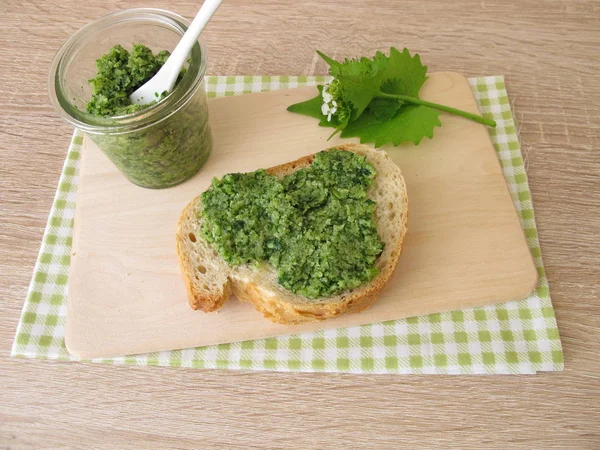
[165,78]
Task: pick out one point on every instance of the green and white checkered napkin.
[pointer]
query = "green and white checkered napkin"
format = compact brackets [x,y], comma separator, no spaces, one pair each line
[516,337]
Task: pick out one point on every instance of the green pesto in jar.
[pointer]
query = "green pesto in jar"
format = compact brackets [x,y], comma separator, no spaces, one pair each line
[120,74]
[316,226]
[160,155]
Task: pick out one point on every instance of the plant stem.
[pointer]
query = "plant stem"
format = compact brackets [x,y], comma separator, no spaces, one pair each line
[448,109]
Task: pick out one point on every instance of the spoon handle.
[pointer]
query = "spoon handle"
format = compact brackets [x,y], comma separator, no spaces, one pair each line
[179,55]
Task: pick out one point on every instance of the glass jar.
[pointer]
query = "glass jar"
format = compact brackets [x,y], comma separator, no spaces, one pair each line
[161,145]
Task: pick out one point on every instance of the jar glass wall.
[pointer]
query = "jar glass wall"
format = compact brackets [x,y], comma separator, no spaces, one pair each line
[161,145]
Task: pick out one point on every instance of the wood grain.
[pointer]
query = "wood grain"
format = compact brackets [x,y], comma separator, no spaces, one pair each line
[446,264]
[549,53]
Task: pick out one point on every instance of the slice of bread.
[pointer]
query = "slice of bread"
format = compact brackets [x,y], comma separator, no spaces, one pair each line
[210,280]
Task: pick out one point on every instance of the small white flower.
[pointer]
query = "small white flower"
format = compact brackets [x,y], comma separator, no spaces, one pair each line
[329,106]
[333,107]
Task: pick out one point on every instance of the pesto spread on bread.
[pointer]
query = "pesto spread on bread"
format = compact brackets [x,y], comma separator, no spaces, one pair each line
[316,226]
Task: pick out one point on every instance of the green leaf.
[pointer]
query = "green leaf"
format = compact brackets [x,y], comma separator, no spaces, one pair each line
[359,78]
[333,64]
[310,107]
[359,90]
[350,67]
[364,79]
[379,99]
[384,108]
[411,124]
[403,75]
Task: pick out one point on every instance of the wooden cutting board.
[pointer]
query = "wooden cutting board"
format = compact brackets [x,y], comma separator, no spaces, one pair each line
[464,246]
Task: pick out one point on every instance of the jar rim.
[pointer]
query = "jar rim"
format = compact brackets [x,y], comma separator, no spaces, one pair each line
[153,114]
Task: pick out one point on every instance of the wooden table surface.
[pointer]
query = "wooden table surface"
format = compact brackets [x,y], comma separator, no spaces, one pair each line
[549,52]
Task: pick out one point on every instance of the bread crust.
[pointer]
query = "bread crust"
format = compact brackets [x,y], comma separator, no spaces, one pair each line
[275,306]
